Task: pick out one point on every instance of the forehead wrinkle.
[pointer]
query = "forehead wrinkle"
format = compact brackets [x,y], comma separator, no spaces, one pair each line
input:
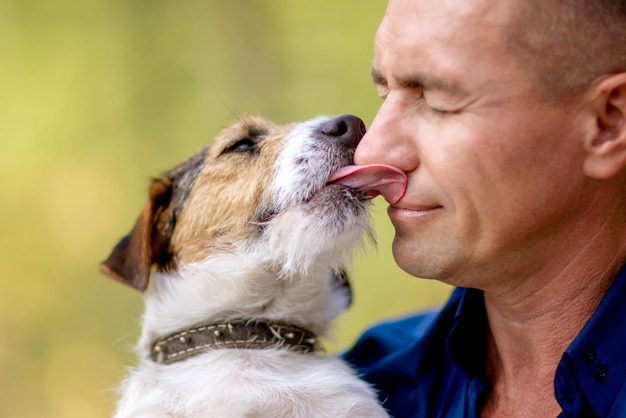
[425,47]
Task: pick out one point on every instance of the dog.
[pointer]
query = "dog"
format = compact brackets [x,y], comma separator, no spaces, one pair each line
[241,253]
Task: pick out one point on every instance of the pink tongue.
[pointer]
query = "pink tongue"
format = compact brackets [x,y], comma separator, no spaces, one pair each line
[374,179]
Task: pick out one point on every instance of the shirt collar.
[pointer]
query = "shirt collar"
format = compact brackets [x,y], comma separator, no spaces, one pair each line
[591,374]
[466,342]
[466,346]
[594,365]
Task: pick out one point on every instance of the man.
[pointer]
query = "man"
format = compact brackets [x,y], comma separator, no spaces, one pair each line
[509,119]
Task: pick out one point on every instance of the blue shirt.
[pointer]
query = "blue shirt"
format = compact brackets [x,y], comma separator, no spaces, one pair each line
[432,364]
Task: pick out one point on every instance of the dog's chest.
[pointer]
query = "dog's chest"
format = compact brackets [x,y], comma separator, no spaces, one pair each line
[249,383]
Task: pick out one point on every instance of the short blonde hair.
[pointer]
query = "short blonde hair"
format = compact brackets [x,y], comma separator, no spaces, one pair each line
[566,44]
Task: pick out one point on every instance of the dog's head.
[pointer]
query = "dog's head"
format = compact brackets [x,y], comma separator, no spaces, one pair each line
[258,189]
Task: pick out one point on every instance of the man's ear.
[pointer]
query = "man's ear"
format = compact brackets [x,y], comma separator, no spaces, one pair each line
[132,258]
[606,149]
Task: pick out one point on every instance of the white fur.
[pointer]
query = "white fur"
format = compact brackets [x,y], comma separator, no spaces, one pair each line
[291,183]
[285,275]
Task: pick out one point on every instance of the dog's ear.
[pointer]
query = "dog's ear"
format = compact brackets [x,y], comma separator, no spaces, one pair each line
[132,258]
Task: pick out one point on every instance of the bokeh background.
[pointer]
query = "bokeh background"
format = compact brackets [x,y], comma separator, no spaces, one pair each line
[98,96]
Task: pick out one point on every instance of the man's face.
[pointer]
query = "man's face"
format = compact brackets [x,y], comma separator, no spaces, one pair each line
[494,171]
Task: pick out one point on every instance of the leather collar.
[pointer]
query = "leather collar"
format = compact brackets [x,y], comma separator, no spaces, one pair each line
[242,334]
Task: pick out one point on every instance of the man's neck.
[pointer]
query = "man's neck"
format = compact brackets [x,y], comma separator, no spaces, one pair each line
[531,326]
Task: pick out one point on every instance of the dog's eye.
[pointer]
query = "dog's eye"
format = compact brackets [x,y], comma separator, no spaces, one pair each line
[242,145]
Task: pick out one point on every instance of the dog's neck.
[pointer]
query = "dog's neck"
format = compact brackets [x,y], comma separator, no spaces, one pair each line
[239,334]
[233,287]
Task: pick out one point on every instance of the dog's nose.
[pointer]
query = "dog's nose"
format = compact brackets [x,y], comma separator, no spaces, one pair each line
[346,130]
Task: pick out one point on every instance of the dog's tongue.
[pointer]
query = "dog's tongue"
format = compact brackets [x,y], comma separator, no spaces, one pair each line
[374,179]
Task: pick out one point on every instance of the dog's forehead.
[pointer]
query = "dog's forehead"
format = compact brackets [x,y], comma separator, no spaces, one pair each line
[184,174]
[219,189]
[248,127]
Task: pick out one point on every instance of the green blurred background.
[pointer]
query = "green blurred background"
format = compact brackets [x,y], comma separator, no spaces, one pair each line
[97,96]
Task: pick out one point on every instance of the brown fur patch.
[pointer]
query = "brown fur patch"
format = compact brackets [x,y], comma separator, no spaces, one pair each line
[228,190]
[202,206]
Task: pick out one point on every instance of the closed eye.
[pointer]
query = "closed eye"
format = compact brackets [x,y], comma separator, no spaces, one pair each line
[242,145]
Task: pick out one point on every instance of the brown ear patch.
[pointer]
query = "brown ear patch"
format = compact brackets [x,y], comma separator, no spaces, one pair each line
[132,258]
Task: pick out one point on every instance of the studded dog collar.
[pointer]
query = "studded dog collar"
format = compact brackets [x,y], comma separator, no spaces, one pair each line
[243,334]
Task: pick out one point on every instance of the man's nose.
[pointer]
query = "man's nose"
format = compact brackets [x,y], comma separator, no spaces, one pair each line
[388,140]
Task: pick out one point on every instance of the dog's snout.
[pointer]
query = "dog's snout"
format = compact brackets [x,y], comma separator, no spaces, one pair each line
[346,130]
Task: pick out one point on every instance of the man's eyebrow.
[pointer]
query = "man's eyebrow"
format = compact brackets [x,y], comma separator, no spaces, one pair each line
[378,78]
[416,81]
